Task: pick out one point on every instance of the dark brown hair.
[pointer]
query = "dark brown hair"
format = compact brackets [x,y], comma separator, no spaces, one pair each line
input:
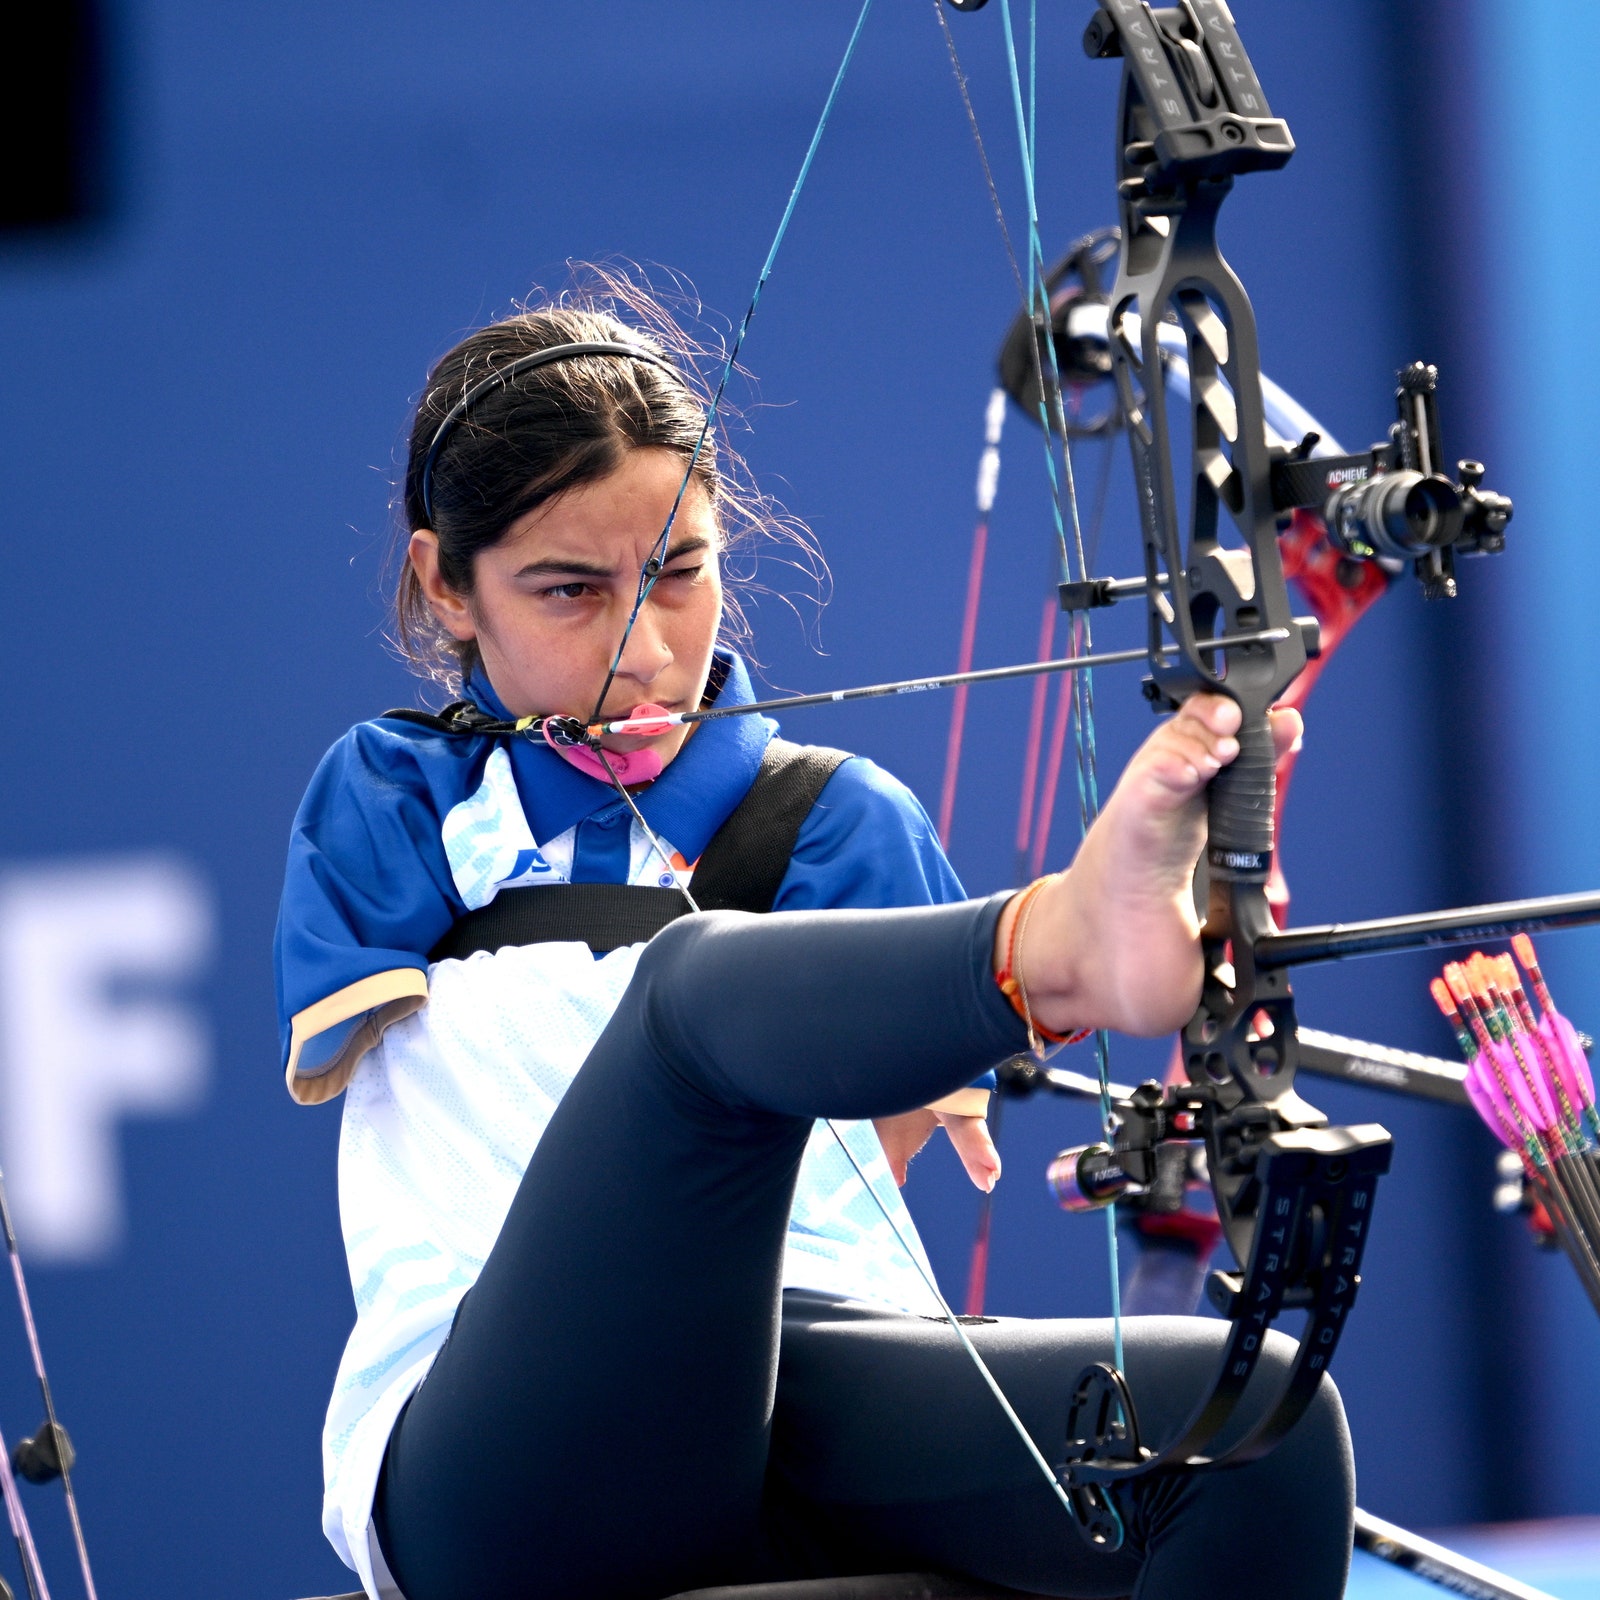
[558,426]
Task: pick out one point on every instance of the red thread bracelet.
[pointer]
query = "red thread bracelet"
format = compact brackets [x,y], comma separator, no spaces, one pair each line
[1011,985]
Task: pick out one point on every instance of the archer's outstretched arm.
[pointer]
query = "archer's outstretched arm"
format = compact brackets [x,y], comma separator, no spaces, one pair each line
[1114,942]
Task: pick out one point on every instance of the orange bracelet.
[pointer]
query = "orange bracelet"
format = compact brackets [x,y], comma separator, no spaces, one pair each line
[1011,984]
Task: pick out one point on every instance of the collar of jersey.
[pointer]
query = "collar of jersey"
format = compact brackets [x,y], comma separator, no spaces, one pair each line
[685,805]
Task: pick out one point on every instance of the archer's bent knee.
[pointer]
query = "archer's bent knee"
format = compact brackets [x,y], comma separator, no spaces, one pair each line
[674,986]
[684,959]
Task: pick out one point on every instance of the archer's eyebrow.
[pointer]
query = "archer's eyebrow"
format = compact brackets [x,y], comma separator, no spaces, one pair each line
[589,569]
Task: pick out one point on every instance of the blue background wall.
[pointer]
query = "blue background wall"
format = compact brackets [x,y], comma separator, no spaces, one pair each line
[1541,230]
[204,396]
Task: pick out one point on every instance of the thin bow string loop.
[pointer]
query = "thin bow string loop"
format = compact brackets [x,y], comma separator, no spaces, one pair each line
[651,570]
[914,1256]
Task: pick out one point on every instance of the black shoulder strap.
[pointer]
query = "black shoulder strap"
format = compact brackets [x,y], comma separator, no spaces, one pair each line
[604,916]
[740,870]
[743,866]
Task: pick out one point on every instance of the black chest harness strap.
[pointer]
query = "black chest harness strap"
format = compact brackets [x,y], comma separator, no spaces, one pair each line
[740,870]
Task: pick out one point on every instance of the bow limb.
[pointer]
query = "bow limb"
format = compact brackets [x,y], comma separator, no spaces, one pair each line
[1338,591]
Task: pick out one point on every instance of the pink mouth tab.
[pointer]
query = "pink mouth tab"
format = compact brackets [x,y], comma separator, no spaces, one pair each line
[628,767]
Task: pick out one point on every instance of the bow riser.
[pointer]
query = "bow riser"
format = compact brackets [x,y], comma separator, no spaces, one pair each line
[1289,1191]
[1240,1046]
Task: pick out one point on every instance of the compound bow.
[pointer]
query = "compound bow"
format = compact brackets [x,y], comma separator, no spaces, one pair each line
[1293,1195]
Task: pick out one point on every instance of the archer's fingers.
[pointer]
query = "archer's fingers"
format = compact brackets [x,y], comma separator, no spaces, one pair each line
[1215,713]
[1185,754]
[970,1137]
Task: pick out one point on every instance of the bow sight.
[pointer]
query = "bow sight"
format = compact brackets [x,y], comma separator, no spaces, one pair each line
[1293,1195]
[1389,504]
[1393,503]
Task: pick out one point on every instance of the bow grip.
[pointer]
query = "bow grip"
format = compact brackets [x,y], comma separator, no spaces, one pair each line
[1242,797]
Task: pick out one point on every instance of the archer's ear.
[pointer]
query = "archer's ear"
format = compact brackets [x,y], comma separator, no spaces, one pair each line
[449,606]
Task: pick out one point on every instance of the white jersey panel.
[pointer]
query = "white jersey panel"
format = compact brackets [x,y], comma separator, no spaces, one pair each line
[440,1122]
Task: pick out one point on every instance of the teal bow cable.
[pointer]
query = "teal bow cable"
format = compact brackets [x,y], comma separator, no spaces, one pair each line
[1082,693]
[652,567]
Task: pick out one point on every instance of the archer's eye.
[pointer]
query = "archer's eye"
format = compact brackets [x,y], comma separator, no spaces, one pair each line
[567,591]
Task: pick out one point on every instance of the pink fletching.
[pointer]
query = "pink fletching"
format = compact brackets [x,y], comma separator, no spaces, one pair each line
[650,727]
[1571,1063]
[1533,1099]
[646,719]
[1483,1103]
[630,766]
[1490,1087]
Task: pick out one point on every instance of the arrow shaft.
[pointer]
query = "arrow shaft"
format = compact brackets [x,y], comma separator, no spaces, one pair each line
[951,680]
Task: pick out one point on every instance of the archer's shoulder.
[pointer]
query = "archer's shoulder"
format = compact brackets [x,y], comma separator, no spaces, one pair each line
[867,842]
[387,755]
[868,805]
[859,785]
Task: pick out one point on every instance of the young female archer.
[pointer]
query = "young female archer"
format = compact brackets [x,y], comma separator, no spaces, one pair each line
[629,1321]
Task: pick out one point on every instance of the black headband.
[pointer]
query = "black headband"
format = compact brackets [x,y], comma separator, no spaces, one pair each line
[495,380]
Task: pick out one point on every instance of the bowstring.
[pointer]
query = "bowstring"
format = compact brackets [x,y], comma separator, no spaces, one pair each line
[649,832]
[1035,299]
[1081,637]
[651,570]
[923,1272]
[988,478]
[983,153]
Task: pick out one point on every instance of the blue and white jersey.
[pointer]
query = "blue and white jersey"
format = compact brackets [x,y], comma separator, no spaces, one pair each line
[453,1068]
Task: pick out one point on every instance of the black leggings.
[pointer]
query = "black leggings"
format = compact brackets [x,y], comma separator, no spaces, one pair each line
[628,1406]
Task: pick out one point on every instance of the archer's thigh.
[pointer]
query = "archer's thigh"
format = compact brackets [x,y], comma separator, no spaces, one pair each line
[890,1440]
[595,1426]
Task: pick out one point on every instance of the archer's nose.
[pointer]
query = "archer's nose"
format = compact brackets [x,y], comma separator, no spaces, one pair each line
[646,654]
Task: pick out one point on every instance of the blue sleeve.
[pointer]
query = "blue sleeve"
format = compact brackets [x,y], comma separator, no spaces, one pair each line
[867,843]
[368,890]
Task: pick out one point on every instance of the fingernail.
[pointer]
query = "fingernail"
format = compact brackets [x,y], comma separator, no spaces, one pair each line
[1227,747]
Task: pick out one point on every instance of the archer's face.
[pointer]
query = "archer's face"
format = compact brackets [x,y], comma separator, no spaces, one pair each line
[552,598]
